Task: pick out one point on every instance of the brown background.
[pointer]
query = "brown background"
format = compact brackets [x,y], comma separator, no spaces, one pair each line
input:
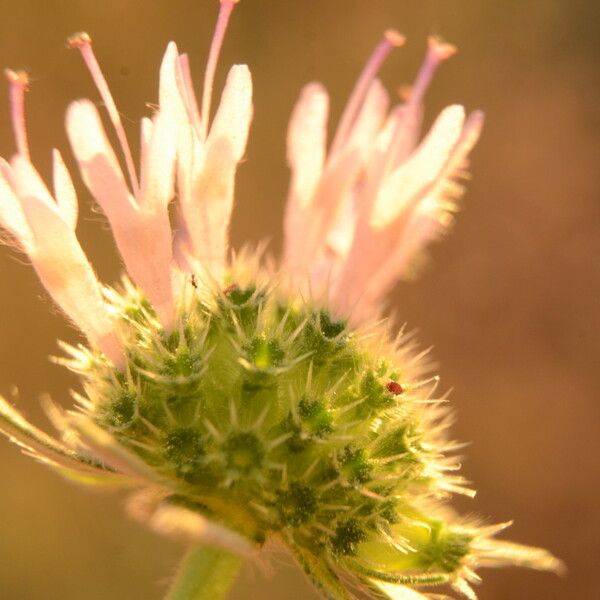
[510,301]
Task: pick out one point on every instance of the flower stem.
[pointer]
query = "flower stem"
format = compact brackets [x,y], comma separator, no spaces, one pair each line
[205,573]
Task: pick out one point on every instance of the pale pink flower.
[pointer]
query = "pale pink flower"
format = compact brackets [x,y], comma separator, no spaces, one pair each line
[176,144]
[255,372]
[43,227]
[358,214]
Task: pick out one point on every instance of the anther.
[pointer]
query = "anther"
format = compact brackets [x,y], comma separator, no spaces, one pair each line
[394,37]
[441,49]
[18,85]
[79,39]
[18,77]
[83,42]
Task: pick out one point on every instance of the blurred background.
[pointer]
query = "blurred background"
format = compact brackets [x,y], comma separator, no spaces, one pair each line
[510,300]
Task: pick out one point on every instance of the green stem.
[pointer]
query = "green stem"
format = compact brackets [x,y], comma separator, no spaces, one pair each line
[205,573]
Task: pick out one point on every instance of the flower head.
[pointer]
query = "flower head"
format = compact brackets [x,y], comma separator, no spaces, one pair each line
[358,214]
[241,401]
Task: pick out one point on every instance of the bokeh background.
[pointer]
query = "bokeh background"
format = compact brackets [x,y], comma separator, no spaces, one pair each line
[510,301]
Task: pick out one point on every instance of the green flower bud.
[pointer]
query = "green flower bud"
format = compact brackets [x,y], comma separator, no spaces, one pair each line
[267,416]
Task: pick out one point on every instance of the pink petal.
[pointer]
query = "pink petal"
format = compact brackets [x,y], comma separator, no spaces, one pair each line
[421,170]
[333,190]
[27,182]
[143,234]
[369,269]
[341,233]
[431,217]
[232,121]
[361,137]
[173,101]
[145,137]
[402,132]
[307,136]
[61,264]
[208,209]
[188,89]
[190,158]
[97,161]
[171,97]
[146,246]
[64,191]
[372,112]
[11,215]
[207,201]
[159,164]
[324,233]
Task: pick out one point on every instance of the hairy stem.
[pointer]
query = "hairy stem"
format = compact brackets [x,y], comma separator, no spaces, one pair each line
[205,573]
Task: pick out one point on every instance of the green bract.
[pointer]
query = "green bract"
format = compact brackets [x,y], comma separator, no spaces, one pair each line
[269,416]
[263,416]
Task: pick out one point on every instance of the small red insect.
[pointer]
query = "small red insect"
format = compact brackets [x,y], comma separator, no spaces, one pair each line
[394,387]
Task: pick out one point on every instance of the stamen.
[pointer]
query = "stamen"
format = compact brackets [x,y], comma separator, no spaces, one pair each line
[391,39]
[437,52]
[19,84]
[83,43]
[225,11]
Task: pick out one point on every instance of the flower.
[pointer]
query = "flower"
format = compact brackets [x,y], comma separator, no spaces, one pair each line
[358,215]
[241,401]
